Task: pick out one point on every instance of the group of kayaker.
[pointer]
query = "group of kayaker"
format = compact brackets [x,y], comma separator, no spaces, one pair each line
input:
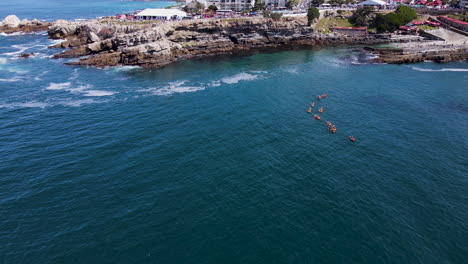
[331,127]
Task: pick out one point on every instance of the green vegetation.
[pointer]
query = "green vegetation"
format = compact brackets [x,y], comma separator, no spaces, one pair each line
[383,23]
[324,24]
[425,27]
[363,17]
[406,14]
[312,14]
[392,21]
[272,15]
[317,2]
[292,3]
[213,8]
[276,16]
[462,17]
[259,5]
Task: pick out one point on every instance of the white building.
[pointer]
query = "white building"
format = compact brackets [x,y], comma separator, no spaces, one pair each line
[160,14]
[236,5]
[464,3]
[275,3]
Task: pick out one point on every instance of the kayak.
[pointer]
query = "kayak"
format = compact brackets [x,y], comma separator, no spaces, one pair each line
[317,117]
[352,138]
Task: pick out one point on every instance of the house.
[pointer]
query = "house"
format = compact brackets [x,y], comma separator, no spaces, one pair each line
[160,14]
[454,22]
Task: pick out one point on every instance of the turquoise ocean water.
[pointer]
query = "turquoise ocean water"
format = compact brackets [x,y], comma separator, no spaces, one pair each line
[216,160]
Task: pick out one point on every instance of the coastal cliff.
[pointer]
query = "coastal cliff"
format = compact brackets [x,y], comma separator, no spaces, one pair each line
[110,44]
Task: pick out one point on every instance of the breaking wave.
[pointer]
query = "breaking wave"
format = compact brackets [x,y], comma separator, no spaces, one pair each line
[440,70]
[83,89]
[239,77]
[174,87]
[36,104]
[14,79]
[98,93]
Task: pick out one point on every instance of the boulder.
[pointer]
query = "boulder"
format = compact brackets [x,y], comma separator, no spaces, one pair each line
[93,37]
[11,21]
[26,55]
[24,22]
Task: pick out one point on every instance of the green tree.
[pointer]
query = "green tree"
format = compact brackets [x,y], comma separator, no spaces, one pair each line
[406,14]
[276,16]
[454,3]
[199,6]
[266,13]
[363,16]
[312,14]
[316,2]
[259,5]
[292,3]
[213,8]
[336,2]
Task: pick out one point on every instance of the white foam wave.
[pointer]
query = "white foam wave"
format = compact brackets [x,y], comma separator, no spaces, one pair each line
[3,60]
[59,86]
[215,84]
[239,77]
[440,70]
[82,89]
[31,104]
[12,34]
[14,79]
[36,104]
[98,93]
[124,68]
[56,41]
[20,48]
[174,87]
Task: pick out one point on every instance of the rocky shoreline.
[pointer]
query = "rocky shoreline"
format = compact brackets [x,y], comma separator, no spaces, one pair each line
[100,43]
[11,24]
[404,56]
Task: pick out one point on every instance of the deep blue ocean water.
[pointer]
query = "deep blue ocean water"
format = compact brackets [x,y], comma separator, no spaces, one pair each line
[217,161]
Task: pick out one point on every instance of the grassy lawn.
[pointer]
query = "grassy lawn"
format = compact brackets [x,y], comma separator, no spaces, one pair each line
[425,27]
[460,17]
[325,24]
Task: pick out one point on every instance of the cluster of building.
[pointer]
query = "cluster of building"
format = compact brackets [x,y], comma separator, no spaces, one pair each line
[454,22]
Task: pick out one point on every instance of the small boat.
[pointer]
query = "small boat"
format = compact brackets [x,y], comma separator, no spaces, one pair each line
[329,124]
[312,104]
[332,129]
[352,138]
[321,110]
[324,95]
[309,110]
[319,97]
[317,117]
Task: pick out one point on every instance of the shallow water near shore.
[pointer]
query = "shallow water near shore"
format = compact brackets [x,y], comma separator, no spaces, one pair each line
[217,161]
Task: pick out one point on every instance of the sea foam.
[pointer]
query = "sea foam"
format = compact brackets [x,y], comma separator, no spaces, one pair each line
[440,70]
[174,87]
[98,93]
[239,77]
